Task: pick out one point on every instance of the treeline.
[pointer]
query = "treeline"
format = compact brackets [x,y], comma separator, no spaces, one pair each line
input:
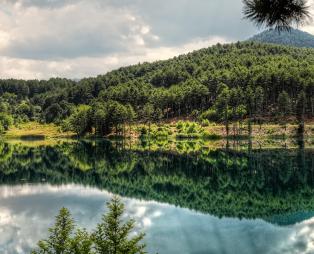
[222,83]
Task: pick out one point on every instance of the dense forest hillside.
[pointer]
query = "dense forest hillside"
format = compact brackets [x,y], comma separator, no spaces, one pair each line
[221,83]
[294,37]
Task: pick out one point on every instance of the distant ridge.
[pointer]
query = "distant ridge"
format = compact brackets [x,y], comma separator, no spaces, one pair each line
[295,37]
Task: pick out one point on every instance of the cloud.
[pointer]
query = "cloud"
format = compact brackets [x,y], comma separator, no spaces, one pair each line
[76,30]
[78,38]
[80,67]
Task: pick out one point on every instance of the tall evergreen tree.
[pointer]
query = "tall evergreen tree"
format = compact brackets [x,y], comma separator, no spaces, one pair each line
[284,107]
[222,106]
[62,239]
[301,106]
[112,236]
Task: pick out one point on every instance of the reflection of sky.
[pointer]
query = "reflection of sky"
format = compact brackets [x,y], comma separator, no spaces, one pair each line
[27,211]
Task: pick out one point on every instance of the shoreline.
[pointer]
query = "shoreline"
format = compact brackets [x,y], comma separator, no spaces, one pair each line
[178,130]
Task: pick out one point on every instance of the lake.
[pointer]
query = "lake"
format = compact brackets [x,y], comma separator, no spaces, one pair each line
[189,197]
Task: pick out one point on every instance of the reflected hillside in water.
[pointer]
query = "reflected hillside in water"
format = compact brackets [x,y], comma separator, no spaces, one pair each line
[231,179]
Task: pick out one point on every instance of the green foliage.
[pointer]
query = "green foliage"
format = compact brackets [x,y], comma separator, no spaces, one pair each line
[62,238]
[222,83]
[53,113]
[156,132]
[284,104]
[111,235]
[5,121]
[180,125]
[301,110]
[2,130]
[190,130]
[205,123]
[80,121]
[210,115]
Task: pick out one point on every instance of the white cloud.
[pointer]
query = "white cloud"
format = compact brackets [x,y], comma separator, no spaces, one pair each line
[79,38]
[309,26]
[92,66]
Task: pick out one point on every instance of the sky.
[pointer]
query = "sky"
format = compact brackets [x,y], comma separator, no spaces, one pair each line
[40,39]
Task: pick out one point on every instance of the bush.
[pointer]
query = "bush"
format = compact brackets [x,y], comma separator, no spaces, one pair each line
[205,122]
[210,115]
[5,121]
[180,125]
[66,125]
[1,129]
[143,131]
[191,128]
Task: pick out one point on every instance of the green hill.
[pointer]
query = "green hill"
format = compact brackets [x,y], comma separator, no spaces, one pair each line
[249,79]
[295,37]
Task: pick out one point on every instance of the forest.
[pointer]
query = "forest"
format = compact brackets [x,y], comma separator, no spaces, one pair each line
[240,82]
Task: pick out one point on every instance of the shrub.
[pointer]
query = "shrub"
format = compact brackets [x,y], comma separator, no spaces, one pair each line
[210,115]
[191,128]
[5,121]
[205,122]
[144,131]
[1,129]
[180,125]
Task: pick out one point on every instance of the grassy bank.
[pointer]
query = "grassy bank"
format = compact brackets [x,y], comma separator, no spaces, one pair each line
[194,130]
[170,130]
[36,131]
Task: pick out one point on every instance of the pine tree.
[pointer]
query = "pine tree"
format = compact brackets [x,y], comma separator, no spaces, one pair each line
[280,14]
[148,112]
[81,243]
[222,106]
[61,239]
[112,236]
[249,93]
[259,100]
[301,106]
[284,107]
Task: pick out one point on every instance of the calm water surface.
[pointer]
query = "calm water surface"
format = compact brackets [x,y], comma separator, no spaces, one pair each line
[188,199]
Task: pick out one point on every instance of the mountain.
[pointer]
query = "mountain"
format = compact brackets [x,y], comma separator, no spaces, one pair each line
[295,37]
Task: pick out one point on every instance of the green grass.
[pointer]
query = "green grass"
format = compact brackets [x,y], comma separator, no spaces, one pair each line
[36,131]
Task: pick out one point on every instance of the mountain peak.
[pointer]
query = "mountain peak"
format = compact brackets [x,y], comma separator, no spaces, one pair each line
[294,37]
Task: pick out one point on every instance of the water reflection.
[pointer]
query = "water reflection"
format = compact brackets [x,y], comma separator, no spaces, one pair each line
[274,186]
[26,212]
[244,183]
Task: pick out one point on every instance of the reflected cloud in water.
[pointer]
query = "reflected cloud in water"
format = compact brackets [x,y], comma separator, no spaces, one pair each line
[27,211]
